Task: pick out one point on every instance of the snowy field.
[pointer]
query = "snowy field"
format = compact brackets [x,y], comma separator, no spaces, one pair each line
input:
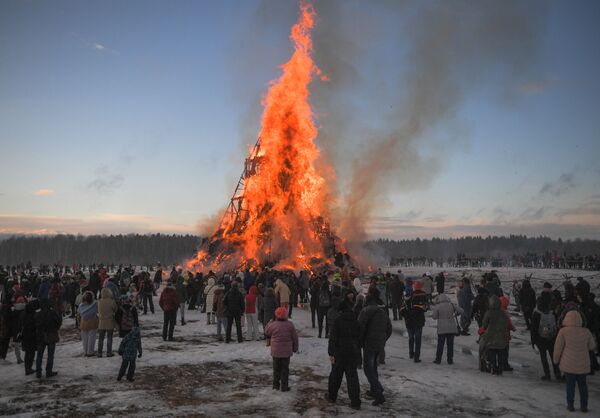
[197,376]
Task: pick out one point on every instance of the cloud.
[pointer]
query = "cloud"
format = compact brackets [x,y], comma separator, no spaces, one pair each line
[534,87]
[562,185]
[103,223]
[44,192]
[586,209]
[105,181]
[95,45]
[99,46]
[533,214]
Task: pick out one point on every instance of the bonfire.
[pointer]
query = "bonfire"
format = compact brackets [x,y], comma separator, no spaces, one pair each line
[279,215]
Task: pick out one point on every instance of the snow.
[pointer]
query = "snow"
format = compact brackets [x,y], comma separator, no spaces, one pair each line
[197,376]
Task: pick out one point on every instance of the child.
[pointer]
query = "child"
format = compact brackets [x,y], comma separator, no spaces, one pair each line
[284,341]
[130,345]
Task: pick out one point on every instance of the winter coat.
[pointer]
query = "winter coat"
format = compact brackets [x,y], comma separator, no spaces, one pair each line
[414,310]
[56,296]
[114,289]
[168,299]
[527,296]
[28,326]
[536,339]
[234,302]
[375,327]
[284,338]
[131,345]
[344,337]
[282,292]
[218,299]
[464,298]
[314,294]
[427,285]
[480,304]
[444,312]
[47,324]
[396,291]
[251,300]
[88,316]
[181,289]
[496,325]
[269,306]
[122,318]
[209,291]
[357,285]
[572,346]
[107,308]
[333,311]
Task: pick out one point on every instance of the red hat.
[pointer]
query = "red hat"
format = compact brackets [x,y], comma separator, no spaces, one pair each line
[504,302]
[281,313]
[417,285]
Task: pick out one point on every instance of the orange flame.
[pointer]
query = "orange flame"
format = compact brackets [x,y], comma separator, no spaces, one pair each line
[284,203]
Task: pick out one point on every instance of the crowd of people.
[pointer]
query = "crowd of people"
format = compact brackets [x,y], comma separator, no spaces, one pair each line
[355,313]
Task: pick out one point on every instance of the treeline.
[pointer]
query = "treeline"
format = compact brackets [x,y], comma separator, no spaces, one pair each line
[491,246]
[116,249]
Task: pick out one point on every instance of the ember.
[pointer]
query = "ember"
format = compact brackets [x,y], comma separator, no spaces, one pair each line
[278,215]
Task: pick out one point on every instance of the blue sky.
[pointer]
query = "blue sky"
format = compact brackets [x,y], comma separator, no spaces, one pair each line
[135,116]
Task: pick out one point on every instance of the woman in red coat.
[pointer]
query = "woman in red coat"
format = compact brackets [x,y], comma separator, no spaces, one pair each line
[284,342]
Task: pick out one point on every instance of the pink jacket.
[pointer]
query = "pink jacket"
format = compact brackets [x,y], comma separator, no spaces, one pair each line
[284,339]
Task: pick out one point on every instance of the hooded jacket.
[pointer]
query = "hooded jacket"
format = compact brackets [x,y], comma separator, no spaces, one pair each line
[284,338]
[282,292]
[107,309]
[375,326]
[496,325]
[444,312]
[572,346]
[251,300]
[344,337]
[168,299]
[181,289]
[88,313]
[209,291]
[28,328]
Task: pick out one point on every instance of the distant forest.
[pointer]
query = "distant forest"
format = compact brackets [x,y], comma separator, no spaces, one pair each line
[169,249]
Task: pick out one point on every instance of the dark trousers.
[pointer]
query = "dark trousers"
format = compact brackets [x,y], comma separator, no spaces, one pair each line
[580,380]
[238,328]
[4,342]
[594,362]
[370,362]
[147,299]
[109,340]
[313,315]
[321,315]
[29,359]
[169,319]
[49,360]
[548,350]
[396,311]
[414,342]
[291,306]
[527,314]
[338,369]
[448,339]
[496,359]
[127,366]
[281,372]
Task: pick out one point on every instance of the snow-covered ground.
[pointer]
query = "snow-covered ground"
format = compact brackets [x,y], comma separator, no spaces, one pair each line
[197,376]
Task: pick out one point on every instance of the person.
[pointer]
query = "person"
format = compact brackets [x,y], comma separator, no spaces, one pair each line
[440,282]
[269,306]
[219,309]
[464,296]
[427,285]
[169,303]
[88,323]
[544,330]
[182,296]
[480,305]
[396,290]
[527,300]
[376,329]
[344,354]
[129,349]
[504,302]
[126,316]
[571,348]
[251,316]
[332,312]
[147,291]
[413,312]
[209,293]
[107,309]
[445,313]
[284,341]
[282,293]
[29,334]
[234,306]
[324,304]
[158,277]
[516,289]
[495,335]
[47,324]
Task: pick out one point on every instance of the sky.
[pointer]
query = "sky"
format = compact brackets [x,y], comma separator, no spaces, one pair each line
[135,116]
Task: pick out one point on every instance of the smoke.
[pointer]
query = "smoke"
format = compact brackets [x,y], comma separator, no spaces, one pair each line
[399,75]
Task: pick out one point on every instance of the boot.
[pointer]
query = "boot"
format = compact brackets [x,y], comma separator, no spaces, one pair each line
[51,374]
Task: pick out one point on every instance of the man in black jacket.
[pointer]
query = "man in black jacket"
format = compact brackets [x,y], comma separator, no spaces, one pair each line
[528,301]
[396,290]
[344,353]
[376,328]
[47,322]
[414,316]
[234,305]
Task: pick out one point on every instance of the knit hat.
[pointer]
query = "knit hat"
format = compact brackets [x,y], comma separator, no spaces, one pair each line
[547,285]
[281,313]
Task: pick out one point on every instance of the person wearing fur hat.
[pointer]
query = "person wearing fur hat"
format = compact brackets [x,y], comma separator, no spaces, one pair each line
[284,341]
[169,303]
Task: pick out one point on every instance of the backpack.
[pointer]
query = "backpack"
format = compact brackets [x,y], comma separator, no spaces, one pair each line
[126,319]
[324,299]
[547,327]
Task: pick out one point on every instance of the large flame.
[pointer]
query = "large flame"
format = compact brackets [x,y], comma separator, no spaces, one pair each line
[284,210]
